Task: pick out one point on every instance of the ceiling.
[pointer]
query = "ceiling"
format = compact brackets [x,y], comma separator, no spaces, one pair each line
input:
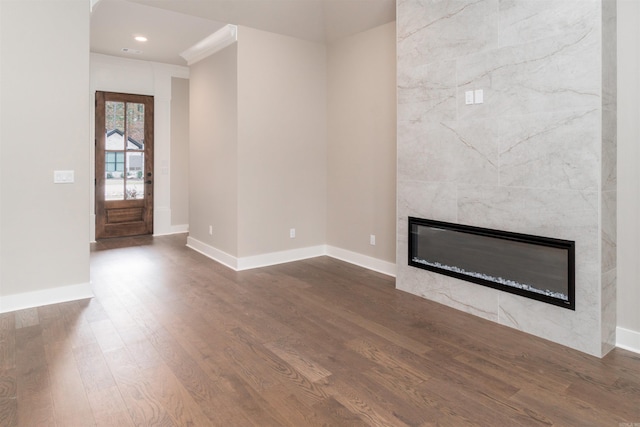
[172,26]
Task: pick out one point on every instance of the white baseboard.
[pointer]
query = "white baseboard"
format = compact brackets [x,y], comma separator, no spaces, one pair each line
[247,263]
[45,297]
[628,339]
[175,229]
[161,221]
[365,261]
[280,257]
[213,253]
[180,228]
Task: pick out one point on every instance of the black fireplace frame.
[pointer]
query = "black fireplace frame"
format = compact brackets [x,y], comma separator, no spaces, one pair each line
[567,245]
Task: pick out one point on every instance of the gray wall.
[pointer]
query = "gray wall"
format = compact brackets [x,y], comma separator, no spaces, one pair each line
[315,149]
[44,126]
[213,154]
[258,153]
[628,288]
[534,158]
[282,117]
[361,144]
[179,152]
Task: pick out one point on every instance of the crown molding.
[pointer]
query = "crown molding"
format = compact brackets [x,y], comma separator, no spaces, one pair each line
[217,41]
[92,4]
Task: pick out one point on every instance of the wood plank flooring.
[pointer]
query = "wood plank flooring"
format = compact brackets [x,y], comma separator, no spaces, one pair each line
[175,339]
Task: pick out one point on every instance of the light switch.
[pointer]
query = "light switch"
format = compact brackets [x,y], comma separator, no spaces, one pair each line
[468,97]
[63,177]
[479,96]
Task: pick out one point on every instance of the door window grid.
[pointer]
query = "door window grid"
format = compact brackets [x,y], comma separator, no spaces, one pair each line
[124,178]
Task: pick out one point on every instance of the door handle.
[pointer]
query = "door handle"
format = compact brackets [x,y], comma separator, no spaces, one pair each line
[148,182]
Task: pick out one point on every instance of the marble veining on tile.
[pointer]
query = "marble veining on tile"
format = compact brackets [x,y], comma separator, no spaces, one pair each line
[608,301]
[427,93]
[528,79]
[523,21]
[451,154]
[436,201]
[609,230]
[445,29]
[550,150]
[609,150]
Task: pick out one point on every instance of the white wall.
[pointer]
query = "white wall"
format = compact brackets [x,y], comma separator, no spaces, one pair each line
[361,144]
[44,126]
[113,74]
[628,290]
[282,122]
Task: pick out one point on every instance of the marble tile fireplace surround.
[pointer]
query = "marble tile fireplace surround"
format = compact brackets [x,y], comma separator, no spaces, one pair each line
[537,157]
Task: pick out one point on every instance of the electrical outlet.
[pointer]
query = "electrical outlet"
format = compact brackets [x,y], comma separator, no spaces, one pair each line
[292,233]
[211,230]
[478,96]
[63,177]
[372,240]
[468,97]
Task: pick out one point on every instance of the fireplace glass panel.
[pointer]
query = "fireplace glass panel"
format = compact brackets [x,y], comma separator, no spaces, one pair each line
[537,267]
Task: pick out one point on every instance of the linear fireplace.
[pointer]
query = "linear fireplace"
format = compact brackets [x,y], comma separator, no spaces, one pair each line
[537,267]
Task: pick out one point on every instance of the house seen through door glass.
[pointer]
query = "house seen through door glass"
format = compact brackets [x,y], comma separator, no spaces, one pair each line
[124,162]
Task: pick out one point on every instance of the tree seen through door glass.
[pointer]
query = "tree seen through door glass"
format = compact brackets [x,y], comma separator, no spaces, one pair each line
[124,151]
[135,126]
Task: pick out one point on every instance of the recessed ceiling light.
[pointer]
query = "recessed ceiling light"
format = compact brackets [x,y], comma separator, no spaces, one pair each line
[140,38]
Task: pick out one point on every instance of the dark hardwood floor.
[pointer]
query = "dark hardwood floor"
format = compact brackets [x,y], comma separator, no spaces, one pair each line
[175,339]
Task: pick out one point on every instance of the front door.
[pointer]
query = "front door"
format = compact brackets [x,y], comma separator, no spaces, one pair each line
[124,165]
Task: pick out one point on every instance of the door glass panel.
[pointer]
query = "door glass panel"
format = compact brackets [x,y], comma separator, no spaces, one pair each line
[135,175]
[114,125]
[114,175]
[135,126]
